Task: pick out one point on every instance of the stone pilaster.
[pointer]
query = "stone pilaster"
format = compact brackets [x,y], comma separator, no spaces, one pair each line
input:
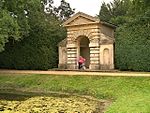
[71,58]
[94,54]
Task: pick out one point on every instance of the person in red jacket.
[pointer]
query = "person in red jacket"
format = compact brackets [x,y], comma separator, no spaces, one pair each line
[81,62]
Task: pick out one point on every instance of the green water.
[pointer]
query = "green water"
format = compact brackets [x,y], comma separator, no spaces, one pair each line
[40,103]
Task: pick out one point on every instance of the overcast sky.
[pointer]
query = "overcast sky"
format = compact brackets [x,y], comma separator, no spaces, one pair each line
[90,7]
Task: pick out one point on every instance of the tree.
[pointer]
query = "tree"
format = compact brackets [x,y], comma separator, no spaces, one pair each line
[9,28]
[38,49]
[133,47]
[115,12]
[13,21]
[105,13]
[132,34]
[64,11]
[132,39]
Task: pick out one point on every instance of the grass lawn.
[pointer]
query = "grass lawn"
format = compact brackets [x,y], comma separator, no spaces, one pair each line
[129,94]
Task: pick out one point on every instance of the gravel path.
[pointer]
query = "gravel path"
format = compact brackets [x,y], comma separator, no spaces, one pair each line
[100,73]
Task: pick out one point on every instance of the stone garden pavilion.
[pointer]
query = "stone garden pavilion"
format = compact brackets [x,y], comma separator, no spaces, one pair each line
[89,37]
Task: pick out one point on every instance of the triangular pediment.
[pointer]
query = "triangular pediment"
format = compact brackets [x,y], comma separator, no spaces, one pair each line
[80,18]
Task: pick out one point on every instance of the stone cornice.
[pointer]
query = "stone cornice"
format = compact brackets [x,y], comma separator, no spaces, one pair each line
[90,23]
[108,24]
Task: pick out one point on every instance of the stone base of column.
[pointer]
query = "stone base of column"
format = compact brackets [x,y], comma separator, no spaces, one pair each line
[106,67]
[94,67]
[71,66]
[62,66]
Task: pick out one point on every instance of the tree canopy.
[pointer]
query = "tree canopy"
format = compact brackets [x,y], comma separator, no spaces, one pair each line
[13,21]
[17,16]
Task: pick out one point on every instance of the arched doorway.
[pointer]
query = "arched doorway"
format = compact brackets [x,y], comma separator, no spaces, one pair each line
[83,49]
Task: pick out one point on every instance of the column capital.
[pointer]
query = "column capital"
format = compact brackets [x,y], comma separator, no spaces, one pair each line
[95,42]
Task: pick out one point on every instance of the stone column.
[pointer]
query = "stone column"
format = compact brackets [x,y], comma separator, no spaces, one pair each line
[71,56]
[94,54]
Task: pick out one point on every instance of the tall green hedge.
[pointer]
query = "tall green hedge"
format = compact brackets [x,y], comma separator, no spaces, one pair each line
[133,47]
[37,51]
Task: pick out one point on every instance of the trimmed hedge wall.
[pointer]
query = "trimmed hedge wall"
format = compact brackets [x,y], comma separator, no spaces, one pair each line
[133,47]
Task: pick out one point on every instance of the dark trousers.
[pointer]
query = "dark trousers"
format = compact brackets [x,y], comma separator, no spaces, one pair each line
[80,65]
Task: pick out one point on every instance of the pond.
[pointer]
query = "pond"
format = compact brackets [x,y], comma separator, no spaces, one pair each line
[41,103]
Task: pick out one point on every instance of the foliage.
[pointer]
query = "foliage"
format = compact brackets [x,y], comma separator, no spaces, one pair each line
[115,11]
[37,51]
[132,41]
[105,13]
[9,26]
[62,12]
[132,48]
[132,35]
[38,48]
[50,104]
[14,21]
